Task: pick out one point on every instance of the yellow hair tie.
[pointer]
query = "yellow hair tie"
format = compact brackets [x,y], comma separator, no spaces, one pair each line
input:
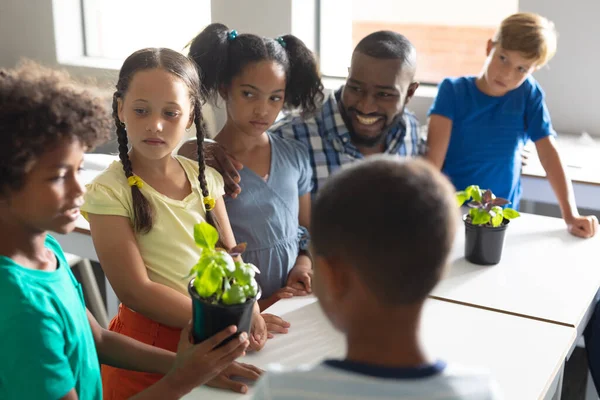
[209,203]
[135,180]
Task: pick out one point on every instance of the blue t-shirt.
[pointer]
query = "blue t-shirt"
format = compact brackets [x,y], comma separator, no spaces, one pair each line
[265,214]
[489,133]
[46,343]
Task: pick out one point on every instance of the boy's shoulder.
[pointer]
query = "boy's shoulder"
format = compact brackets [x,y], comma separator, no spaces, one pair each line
[458,82]
[26,291]
[329,380]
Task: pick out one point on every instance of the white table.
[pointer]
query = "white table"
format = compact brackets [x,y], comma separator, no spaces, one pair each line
[545,273]
[525,356]
[580,156]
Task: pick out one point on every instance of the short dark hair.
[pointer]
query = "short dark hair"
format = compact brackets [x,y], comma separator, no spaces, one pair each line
[388,45]
[40,108]
[221,56]
[392,220]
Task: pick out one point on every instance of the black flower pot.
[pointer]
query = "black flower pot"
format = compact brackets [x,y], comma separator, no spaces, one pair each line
[209,319]
[484,244]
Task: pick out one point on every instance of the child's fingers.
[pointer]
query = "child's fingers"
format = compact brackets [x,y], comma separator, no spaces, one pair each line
[223,382]
[274,319]
[216,339]
[232,350]
[245,371]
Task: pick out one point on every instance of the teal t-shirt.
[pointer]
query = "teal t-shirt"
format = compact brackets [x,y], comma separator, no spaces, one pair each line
[46,343]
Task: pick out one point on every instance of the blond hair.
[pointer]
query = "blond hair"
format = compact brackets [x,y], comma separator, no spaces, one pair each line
[530,34]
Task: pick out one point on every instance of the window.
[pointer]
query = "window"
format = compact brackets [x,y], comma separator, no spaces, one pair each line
[115,28]
[450,36]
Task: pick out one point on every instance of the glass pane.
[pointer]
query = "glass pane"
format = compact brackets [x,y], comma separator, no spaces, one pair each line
[116,28]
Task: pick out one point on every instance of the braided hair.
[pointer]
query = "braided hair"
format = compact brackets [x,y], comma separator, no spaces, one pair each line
[182,67]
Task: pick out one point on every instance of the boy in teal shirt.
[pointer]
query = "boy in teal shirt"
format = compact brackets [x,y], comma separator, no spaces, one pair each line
[51,345]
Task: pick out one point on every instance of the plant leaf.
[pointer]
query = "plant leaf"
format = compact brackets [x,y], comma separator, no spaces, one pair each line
[243,274]
[499,201]
[235,295]
[498,217]
[461,197]
[237,250]
[205,235]
[224,260]
[474,204]
[509,213]
[487,196]
[209,282]
[482,217]
[473,211]
[252,289]
[474,191]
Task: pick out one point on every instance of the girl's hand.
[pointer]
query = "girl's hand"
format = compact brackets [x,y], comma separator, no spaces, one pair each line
[275,324]
[300,277]
[258,330]
[225,379]
[283,293]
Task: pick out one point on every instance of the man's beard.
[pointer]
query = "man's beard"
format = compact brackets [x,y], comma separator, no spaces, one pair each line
[368,141]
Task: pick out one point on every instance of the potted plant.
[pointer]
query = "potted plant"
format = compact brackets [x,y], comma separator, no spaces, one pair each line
[485,224]
[223,291]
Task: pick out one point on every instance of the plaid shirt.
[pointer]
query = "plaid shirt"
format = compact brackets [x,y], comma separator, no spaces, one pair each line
[328,140]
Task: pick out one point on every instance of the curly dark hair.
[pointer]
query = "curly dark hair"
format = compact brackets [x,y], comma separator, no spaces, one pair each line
[220,59]
[39,109]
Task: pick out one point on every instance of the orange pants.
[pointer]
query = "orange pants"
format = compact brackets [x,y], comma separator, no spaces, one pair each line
[121,384]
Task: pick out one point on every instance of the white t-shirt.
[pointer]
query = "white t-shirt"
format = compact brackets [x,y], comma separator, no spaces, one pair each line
[335,380]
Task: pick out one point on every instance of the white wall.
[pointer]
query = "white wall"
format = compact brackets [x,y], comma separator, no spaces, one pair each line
[571,82]
[27,30]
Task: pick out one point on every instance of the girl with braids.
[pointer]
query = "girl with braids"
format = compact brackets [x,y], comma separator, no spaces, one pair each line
[50,343]
[142,211]
[258,77]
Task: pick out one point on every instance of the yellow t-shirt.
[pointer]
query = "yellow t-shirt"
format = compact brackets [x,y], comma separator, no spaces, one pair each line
[168,250]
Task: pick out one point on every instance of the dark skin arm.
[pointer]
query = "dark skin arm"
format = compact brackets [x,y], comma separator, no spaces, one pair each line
[216,157]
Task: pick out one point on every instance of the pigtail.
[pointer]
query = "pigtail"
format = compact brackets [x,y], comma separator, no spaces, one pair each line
[202,168]
[209,50]
[143,213]
[304,87]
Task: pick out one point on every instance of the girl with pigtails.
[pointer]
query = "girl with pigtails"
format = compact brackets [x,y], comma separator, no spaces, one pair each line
[142,211]
[257,77]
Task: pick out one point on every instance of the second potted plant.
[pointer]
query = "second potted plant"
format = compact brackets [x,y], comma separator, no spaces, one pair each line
[223,291]
[485,224]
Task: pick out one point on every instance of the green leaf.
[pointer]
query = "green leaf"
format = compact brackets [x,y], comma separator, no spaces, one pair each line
[481,217]
[497,216]
[205,235]
[209,282]
[509,213]
[472,212]
[461,197]
[223,259]
[252,289]
[235,295]
[474,191]
[243,274]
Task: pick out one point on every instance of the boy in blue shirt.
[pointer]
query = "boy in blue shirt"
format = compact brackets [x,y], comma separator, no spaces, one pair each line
[51,345]
[381,232]
[479,125]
